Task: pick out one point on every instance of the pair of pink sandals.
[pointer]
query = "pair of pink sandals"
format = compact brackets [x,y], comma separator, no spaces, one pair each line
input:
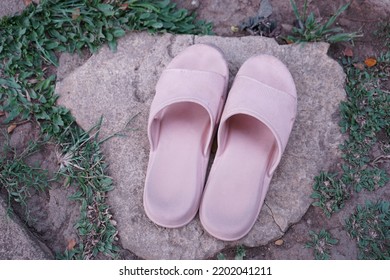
[254,125]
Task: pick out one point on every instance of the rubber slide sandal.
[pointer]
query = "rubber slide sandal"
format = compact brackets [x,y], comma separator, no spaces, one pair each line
[255,126]
[187,105]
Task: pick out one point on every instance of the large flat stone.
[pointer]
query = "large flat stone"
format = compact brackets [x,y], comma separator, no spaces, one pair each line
[16,242]
[10,7]
[120,87]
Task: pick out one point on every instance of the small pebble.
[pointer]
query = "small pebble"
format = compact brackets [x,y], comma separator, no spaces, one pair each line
[234,28]
[195,3]
[279,242]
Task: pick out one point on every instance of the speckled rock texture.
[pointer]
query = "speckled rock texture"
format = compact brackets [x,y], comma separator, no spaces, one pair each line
[120,87]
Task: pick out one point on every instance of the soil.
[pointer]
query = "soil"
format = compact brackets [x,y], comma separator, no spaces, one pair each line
[57,230]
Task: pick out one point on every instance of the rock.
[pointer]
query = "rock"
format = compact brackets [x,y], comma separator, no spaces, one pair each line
[279,242]
[345,247]
[21,136]
[69,62]
[10,7]
[286,28]
[190,5]
[120,87]
[54,214]
[16,242]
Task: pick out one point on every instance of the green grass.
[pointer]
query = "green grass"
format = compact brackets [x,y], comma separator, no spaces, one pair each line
[29,47]
[82,163]
[19,179]
[330,193]
[369,225]
[321,243]
[310,29]
[30,43]
[365,119]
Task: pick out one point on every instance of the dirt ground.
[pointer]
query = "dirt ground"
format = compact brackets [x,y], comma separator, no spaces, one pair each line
[363,16]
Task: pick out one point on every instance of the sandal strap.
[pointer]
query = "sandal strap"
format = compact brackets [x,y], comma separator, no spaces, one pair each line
[275,108]
[207,89]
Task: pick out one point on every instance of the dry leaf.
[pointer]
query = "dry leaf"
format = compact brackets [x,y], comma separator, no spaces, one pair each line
[234,29]
[370,62]
[359,66]
[2,113]
[124,6]
[28,96]
[67,181]
[348,52]
[71,244]
[28,2]
[11,128]
[279,242]
[75,13]
[32,81]
[289,42]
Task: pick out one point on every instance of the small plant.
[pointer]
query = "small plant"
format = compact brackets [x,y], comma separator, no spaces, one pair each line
[82,164]
[221,256]
[261,24]
[310,29]
[369,225]
[19,179]
[365,118]
[72,254]
[240,254]
[330,193]
[365,178]
[321,243]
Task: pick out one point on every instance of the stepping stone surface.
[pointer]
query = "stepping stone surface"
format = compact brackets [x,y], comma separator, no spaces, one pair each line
[16,242]
[120,87]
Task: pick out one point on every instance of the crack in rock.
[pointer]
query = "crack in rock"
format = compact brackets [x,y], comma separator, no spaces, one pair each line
[172,41]
[273,217]
[136,93]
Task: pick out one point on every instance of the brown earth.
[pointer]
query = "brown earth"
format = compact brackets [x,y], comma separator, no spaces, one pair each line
[363,16]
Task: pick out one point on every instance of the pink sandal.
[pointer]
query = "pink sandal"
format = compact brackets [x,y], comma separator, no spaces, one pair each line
[254,130]
[188,103]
